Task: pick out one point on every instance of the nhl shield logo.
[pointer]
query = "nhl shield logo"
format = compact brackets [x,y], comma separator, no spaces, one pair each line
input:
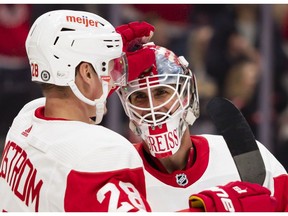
[181,179]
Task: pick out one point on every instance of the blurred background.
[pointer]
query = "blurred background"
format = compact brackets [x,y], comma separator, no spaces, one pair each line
[237,51]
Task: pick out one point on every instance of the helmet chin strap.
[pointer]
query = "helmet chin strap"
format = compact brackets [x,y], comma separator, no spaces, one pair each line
[136,130]
[98,103]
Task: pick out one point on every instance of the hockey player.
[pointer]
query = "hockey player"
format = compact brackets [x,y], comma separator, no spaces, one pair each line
[161,101]
[55,158]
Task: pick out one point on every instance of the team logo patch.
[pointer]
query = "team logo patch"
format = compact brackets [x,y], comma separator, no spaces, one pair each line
[181,179]
[45,75]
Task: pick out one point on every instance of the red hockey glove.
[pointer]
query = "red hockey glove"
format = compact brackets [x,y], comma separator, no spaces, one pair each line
[138,62]
[234,197]
[135,34]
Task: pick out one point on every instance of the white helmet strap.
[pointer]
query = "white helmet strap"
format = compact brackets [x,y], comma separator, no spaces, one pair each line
[79,95]
[134,128]
[189,116]
[98,103]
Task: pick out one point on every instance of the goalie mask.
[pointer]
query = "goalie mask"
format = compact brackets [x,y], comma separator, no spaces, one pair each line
[60,40]
[161,102]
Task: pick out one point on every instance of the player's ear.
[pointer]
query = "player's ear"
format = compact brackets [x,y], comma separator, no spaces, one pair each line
[85,71]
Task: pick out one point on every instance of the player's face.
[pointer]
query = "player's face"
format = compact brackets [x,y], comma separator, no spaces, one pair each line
[161,97]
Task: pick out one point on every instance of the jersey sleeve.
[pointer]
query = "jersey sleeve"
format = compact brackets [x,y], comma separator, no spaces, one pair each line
[276,179]
[281,192]
[114,191]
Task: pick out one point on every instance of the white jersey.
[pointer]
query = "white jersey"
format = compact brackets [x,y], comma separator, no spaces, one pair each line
[213,166]
[62,165]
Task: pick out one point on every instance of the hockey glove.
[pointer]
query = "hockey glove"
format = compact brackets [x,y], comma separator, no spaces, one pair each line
[234,197]
[134,34]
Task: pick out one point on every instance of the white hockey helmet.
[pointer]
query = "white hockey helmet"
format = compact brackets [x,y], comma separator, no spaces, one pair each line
[162,128]
[60,40]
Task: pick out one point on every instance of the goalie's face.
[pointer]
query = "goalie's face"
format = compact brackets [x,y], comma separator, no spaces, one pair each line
[160,100]
[156,108]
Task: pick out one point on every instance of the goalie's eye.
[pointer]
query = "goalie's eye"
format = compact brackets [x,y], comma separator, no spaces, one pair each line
[138,98]
[161,92]
[159,95]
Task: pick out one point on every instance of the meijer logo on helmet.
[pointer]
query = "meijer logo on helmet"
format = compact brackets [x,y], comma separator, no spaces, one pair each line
[83,20]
